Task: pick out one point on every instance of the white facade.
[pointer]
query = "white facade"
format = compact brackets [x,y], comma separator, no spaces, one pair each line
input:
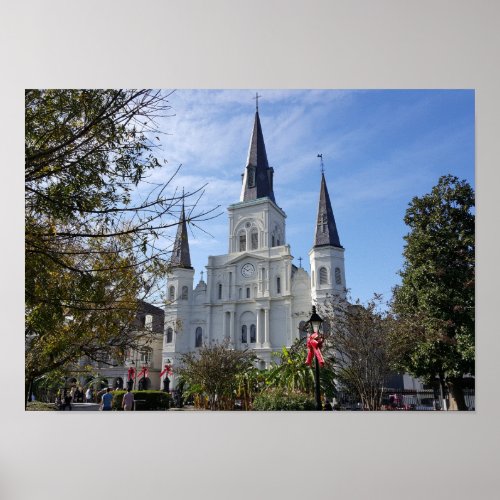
[254,297]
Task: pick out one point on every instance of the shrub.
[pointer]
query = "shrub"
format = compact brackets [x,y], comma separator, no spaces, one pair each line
[283,400]
[145,400]
[40,406]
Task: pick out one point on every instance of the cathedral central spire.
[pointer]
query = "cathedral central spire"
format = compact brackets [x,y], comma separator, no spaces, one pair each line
[258,176]
[180,254]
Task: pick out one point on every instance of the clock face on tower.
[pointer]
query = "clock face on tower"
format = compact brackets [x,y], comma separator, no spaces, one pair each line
[247,270]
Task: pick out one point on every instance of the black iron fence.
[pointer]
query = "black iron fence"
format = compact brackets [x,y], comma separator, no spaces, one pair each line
[405,399]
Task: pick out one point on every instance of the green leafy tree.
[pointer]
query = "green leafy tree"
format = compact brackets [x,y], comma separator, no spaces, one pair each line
[94,223]
[435,301]
[216,372]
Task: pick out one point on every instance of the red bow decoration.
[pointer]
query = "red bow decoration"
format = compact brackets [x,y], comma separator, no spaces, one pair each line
[314,345]
[167,370]
[131,373]
[144,372]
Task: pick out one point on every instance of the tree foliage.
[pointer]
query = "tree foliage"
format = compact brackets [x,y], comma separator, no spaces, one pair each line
[280,399]
[95,225]
[361,344]
[290,372]
[216,371]
[435,301]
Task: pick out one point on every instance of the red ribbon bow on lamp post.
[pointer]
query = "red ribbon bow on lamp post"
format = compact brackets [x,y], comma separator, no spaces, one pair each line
[144,372]
[131,373]
[314,345]
[167,370]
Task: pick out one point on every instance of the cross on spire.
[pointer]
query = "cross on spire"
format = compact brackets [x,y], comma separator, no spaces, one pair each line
[320,156]
[201,275]
[256,101]
[300,261]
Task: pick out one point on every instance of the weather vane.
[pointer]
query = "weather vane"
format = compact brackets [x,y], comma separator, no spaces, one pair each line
[320,156]
[257,101]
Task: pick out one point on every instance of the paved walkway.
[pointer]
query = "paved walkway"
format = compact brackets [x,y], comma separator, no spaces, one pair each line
[95,407]
[84,407]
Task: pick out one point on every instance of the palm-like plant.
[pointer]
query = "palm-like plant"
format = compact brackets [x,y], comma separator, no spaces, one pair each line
[290,372]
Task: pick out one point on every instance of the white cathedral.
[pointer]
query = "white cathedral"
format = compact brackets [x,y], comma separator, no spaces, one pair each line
[254,297]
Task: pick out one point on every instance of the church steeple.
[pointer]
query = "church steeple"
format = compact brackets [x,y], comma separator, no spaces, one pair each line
[180,255]
[326,229]
[258,176]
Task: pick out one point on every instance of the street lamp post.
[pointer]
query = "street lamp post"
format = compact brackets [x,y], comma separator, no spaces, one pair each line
[315,321]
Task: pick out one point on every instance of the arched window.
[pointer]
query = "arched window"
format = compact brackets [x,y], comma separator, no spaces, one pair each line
[220,291]
[278,285]
[253,337]
[170,335]
[184,295]
[144,384]
[312,278]
[118,383]
[171,293]
[302,330]
[323,276]
[338,278]
[244,334]
[254,239]
[198,340]
[272,240]
[278,242]
[243,241]
[248,292]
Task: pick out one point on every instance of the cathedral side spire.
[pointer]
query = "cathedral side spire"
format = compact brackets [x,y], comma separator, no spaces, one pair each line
[258,176]
[326,229]
[180,255]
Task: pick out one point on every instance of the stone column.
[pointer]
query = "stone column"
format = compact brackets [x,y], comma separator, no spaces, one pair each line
[258,328]
[224,326]
[231,328]
[266,328]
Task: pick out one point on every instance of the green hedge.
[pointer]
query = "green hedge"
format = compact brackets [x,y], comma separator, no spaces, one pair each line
[145,400]
[282,400]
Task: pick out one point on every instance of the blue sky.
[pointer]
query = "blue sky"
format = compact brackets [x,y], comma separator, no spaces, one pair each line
[380,149]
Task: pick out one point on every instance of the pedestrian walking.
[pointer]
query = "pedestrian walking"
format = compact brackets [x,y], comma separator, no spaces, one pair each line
[128,401]
[107,400]
[59,401]
[89,395]
[67,401]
